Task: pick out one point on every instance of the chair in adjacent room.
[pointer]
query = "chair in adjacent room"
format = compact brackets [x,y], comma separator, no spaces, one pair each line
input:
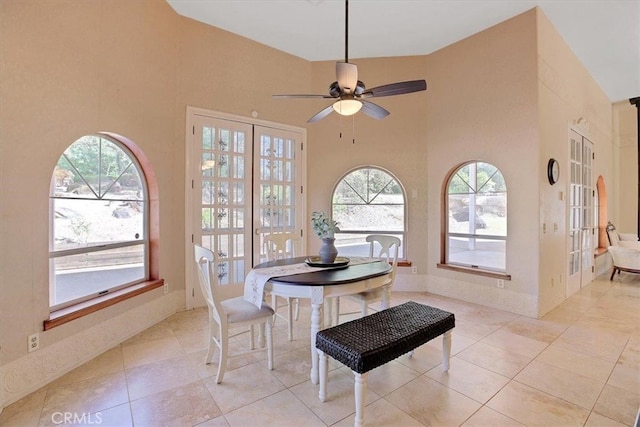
[624,259]
[387,248]
[280,246]
[232,312]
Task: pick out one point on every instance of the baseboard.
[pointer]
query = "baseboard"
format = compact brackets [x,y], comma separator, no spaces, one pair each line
[23,376]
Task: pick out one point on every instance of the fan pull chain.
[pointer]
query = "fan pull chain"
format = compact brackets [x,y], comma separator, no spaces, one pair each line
[353,129]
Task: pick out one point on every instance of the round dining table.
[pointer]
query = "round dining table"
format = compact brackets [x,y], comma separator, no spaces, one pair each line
[321,285]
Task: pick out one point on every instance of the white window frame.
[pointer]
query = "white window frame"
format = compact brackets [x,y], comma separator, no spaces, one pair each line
[144,241]
[402,234]
[472,235]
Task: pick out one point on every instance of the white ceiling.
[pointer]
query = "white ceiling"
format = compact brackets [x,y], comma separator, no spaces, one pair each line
[604,34]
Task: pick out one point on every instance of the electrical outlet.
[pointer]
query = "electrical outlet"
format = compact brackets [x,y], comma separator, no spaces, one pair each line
[166,287]
[33,341]
[500,283]
[414,269]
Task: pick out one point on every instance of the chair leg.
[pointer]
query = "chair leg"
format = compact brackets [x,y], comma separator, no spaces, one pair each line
[222,362]
[269,334]
[212,341]
[252,343]
[290,317]
[274,305]
[365,308]
[613,273]
[297,308]
[261,335]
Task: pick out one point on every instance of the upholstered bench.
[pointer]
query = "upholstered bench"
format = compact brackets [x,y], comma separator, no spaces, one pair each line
[371,341]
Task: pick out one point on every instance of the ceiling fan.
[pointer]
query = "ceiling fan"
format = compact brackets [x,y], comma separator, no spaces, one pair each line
[350,94]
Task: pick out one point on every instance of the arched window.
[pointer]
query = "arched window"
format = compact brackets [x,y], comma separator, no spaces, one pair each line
[476,203]
[368,200]
[99,221]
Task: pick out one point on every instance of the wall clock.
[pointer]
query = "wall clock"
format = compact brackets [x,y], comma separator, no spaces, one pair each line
[553,171]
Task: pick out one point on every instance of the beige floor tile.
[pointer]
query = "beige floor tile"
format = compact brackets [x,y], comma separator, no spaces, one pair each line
[293,367]
[236,359]
[194,341]
[431,403]
[189,320]
[340,401]
[151,351]
[279,409]
[631,354]
[158,331]
[382,414]
[24,412]
[597,420]
[486,417]
[618,404]
[424,358]
[244,386]
[535,408]
[458,342]
[388,377]
[561,383]
[514,343]
[471,380]
[187,405]
[220,421]
[562,316]
[471,328]
[578,363]
[166,374]
[539,330]
[579,302]
[109,362]
[495,359]
[597,342]
[88,396]
[626,378]
[119,416]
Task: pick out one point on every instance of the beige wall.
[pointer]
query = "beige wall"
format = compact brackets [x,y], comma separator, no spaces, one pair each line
[624,189]
[505,96]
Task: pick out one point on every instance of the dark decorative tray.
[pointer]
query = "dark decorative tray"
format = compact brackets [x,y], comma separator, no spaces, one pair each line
[314,261]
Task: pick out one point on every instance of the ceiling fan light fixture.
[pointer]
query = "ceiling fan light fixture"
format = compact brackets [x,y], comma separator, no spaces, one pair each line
[347,107]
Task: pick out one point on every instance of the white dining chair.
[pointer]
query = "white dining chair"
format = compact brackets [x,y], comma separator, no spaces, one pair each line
[230,312]
[384,247]
[280,246]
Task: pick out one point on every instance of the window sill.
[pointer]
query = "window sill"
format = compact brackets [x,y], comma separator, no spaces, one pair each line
[67,314]
[476,271]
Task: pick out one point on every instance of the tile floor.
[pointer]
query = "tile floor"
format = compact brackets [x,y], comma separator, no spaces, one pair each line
[577,366]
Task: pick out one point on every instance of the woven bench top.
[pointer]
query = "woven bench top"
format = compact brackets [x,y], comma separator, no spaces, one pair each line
[371,341]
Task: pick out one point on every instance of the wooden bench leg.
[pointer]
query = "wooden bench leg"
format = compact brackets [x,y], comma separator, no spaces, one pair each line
[446,350]
[360,391]
[324,367]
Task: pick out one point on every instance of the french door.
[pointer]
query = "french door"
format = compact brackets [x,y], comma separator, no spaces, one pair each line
[581,228]
[244,180]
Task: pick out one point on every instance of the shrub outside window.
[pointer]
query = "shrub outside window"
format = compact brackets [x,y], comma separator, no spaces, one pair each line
[98,241]
[477,217]
[368,200]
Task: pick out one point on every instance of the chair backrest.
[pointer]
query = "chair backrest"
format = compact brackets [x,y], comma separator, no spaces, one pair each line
[612,233]
[389,249]
[280,245]
[625,257]
[205,261]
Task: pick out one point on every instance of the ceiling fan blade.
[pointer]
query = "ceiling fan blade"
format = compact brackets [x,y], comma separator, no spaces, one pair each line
[399,88]
[374,110]
[321,115]
[301,96]
[347,76]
